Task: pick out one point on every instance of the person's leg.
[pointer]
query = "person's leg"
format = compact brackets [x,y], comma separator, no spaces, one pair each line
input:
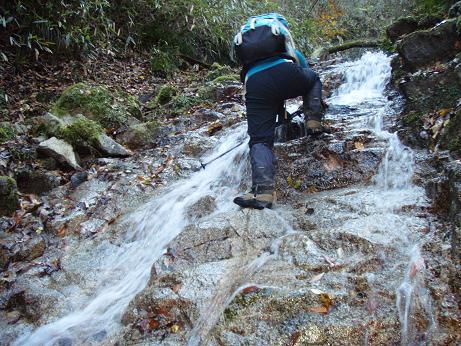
[293,81]
[261,118]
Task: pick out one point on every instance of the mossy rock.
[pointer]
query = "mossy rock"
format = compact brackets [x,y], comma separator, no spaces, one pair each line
[165,94]
[7,132]
[8,196]
[208,92]
[219,71]
[163,62]
[182,103]
[227,78]
[111,110]
[140,135]
[82,132]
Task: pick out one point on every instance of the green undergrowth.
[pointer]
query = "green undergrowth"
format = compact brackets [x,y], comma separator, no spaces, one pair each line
[7,132]
[218,71]
[110,110]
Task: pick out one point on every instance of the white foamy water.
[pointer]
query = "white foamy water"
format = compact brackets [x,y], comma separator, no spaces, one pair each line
[365,83]
[365,80]
[153,227]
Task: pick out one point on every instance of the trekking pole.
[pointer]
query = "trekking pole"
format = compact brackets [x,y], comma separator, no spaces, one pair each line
[224,153]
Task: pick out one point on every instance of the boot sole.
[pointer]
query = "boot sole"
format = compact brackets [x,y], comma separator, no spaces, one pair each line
[252,204]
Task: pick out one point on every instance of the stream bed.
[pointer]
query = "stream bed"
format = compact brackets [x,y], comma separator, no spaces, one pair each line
[351,254]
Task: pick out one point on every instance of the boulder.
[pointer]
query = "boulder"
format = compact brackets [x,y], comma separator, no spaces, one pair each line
[425,47]
[109,147]
[8,196]
[78,178]
[109,109]
[428,91]
[61,151]
[140,135]
[36,181]
[401,27]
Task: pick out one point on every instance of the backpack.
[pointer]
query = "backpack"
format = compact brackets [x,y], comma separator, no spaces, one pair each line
[261,37]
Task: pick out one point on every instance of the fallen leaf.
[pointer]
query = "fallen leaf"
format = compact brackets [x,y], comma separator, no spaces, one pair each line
[174,328]
[326,300]
[318,309]
[317,277]
[62,231]
[359,146]
[153,324]
[250,289]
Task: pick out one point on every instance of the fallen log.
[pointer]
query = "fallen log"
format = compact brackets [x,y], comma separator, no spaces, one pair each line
[321,53]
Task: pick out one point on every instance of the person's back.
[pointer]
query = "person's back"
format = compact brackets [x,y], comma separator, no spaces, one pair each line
[273,71]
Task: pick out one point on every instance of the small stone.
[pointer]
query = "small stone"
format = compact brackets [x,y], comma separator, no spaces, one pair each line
[110,147]
[78,178]
[59,150]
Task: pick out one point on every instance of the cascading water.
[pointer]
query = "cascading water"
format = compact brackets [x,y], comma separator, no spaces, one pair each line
[126,268]
[152,228]
[366,80]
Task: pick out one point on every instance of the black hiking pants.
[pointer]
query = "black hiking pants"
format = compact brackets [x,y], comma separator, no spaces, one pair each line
[265,93]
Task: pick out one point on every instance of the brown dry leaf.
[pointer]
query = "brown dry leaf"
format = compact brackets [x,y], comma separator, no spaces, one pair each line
[359,146]
[443,112]
[250,289]
[153,324]
[319,309]
[62,231]
[213,128]
[332,164]
[326,300]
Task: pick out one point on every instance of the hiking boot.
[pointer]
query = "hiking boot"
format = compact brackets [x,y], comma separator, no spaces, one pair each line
[260,200]
[314,127]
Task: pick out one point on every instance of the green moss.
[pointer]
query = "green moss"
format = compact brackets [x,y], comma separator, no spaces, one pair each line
[21,155]
[226,78]
[81,132]
[8,196]
[387,45]
[7,132]
[294,184]
[163,63]
[452,136]
[97,103]
[165,94]
[411,118]
[218,71]
[140,135]
[183,103]
[207,92]
[230,314]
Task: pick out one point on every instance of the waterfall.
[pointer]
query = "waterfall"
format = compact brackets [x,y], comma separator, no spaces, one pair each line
[151,229]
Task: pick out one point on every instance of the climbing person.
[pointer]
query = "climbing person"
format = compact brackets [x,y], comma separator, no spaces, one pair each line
[273,71]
